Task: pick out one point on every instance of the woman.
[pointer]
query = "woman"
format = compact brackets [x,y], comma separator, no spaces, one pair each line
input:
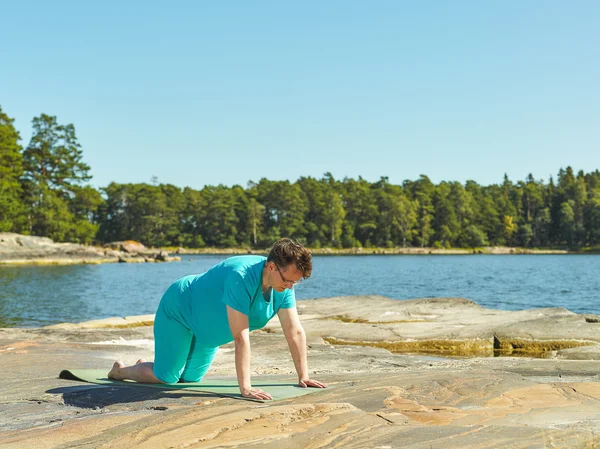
[199,313]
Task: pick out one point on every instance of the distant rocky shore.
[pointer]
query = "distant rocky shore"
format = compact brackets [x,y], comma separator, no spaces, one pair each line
[390,251]
[25,249]
[16,249]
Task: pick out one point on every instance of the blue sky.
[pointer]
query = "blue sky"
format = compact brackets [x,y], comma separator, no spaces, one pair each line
[199,93]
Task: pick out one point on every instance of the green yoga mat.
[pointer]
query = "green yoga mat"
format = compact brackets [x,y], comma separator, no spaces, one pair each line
[220,387]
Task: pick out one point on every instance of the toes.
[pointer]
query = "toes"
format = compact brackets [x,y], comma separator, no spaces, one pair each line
[113,373]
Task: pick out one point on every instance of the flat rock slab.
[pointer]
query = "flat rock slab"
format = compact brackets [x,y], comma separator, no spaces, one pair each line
[465,327]
[381,399]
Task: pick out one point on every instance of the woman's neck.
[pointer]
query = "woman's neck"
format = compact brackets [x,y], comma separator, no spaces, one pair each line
[265,279]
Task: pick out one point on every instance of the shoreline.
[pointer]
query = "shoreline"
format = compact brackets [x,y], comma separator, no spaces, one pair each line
[500,250]
[352,312]
[178,252]
[132,321]
[82,261]
[16,249]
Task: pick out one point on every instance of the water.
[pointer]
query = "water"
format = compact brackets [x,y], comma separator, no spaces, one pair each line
[42,295]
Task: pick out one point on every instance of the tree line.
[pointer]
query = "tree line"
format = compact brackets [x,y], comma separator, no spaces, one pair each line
[44,191]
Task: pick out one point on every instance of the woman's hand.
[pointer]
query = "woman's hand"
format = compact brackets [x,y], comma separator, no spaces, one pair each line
[255,393]
[311,383]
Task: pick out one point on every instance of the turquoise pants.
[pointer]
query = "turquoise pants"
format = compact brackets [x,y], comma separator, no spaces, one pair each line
[178,356]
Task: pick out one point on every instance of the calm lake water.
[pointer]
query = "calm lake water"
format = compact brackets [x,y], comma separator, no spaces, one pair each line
[38,295]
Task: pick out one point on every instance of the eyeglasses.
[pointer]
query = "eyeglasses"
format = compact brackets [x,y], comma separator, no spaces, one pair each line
[287,281]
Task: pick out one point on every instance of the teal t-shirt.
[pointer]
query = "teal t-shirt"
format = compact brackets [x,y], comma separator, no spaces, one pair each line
[236,282]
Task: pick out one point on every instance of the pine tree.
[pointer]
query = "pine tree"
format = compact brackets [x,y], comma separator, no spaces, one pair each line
[12,208]
[54,175]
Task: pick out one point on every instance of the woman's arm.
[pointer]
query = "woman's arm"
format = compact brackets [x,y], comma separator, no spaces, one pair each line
[296,339]
[238,324]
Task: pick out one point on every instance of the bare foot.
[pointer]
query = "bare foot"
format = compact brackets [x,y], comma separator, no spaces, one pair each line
[141,361]
[115,372]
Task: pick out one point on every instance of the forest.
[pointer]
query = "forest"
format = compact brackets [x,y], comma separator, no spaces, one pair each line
[45,191]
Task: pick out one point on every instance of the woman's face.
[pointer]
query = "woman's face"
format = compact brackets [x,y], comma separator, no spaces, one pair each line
[284,277]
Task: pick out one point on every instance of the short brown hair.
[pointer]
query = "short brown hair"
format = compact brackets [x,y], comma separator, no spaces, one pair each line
[288,251]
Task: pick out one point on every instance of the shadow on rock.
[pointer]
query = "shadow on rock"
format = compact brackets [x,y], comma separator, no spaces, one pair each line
[100,396]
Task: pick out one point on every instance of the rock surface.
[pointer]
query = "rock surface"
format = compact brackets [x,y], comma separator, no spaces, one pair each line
[27,249]
[377,399]
[128,246]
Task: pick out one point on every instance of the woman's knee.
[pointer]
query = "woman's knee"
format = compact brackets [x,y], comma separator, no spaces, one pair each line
[165,376]
[195,374]
[187,378]
[198,363]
